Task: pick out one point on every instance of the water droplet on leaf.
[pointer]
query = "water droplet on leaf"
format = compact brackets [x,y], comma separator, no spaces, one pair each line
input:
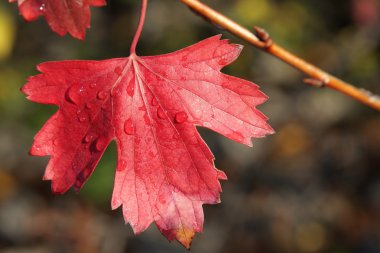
[180,117]
[128,127]
[102,95]
[161,113]
[42,7]
[154,102]
[90,106]
[36,148]
[89,138]
[82,118]
[92,85]
[100,144]
[72,95]
[81,89]
[121,165]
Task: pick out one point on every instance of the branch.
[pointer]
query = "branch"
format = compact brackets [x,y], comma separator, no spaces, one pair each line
[262,40]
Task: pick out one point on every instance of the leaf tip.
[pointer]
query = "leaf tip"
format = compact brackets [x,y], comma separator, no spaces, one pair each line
[79,36]
[221,175]
[37,150]
[239,48]
[23,90]
[116,203]
[185,236]
[58,189]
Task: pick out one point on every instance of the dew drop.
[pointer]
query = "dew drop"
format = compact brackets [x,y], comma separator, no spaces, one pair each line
[184,58]
[161,113]
[118,71]
[42,7]
[81,89]
[100,144]
[92,85]
[121,165]
[56,142]
[102,95]
[82,118]
[154,102]
[89,138]
[128,127]
[72,95]
[36,148]
[183,78]
[180,117]
[90,106]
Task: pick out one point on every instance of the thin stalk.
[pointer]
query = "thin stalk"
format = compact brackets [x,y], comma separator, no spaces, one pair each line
[266,44]
[139,27]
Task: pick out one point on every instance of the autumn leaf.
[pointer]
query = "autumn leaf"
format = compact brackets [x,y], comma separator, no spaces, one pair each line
[72,16]
[150,107]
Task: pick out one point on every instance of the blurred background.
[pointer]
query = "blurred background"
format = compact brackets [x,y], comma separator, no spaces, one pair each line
[314,186]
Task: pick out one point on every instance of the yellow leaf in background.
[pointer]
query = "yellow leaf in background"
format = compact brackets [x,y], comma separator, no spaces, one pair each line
[7,33]
[252,12]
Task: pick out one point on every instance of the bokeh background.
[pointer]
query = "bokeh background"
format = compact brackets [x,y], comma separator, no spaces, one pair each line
[314,186]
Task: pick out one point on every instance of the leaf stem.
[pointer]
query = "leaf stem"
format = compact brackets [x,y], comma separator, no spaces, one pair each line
[140,27]
[267,45]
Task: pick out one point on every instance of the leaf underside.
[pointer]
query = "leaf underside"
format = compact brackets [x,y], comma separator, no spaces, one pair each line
[63,16]
[150,106]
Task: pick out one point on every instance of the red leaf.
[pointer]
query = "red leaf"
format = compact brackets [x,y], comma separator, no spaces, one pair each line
[63,16]
[150,107]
